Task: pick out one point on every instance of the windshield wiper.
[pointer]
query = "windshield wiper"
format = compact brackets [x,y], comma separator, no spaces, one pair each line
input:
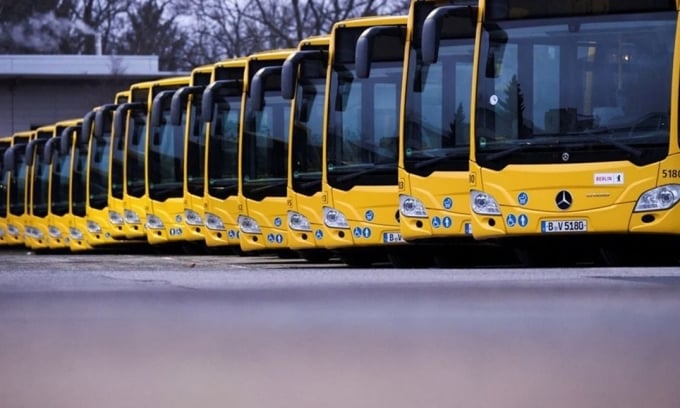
[370,170]
[637,153]
[167,190]
[510,150]
[268,186]
[223,183]
[448,154]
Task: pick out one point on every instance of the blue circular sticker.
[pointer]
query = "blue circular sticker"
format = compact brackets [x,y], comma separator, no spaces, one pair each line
[367,232]
[446,222]
[511,220]
[522,220]
[436,222]
[522,198]
[277,221]
[447,203]
[369,215]
[357,232]
[319,234]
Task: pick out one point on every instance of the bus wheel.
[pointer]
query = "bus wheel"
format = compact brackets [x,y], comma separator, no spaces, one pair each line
[402,258]
[316,255]
[537,258]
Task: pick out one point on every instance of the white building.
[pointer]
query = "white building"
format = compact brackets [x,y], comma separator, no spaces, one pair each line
[38,90]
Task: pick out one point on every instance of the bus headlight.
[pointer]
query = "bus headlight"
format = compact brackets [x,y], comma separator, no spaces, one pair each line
[298,222]
[213,222]
[12,230]
[660,198]
[153,222]
[115,218]
[34,233]
[411,206]
[192,218]
[54,232]
[93,227]
[131,217]
[483,203]
[248,225]
[76,234]
[334,218]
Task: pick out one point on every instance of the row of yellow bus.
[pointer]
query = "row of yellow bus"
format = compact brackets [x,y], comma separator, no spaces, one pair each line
[452,135]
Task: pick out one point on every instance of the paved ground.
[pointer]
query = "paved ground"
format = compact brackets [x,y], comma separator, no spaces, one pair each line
[216,331]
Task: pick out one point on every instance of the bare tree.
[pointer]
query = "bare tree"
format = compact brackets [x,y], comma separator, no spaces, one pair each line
[152,31]
[238,28]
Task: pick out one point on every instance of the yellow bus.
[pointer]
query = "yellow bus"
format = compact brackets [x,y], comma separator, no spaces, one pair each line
[5,144]
[174,196]
[434,149]
[575,129]
[130,186]
[128,118]
[151,171]
[263,147]
[37,188]
[103,225]
[59,155]
[79,225]
[16,178]
[359,190]
[221,112]
[304,82]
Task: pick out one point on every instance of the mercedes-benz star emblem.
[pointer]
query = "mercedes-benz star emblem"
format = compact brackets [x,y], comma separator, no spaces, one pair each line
[565,157]
[563,200]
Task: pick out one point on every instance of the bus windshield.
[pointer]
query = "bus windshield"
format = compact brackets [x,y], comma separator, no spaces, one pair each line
[17,190]
[437,112]
[135,154]
[61,172]
[363,125]
[99,172]
[166,156]
[41,180]
[195,148]
[117,165]
[307,141]
[265,147]
[223,149]
[575,89]
[3,182]
[79,181]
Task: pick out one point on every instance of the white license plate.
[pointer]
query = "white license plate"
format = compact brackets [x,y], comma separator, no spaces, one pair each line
[392,237]
[564,226]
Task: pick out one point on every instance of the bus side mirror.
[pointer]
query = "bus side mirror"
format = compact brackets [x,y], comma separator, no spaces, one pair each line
[432,28]
[86,125]
[157,107]
[8,159]
[179,101]
[363,53]
[208,98]
[259,85]
[102,115]
[30,150]
[49,149]
[290,67]
[66,139]
[494,59]
[120,116]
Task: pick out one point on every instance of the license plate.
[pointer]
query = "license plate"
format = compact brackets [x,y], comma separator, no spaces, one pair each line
[564,226]
[392,237]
